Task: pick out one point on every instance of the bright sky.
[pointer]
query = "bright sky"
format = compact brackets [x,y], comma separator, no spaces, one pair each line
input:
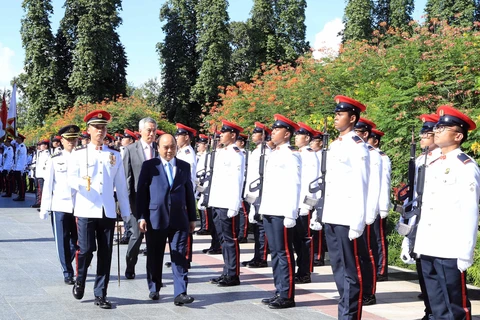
[141,30]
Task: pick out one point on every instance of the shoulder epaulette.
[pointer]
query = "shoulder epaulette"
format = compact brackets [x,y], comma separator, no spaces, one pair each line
[464,158]
[370,147]
[292,148]
[357,139]
[310,149]
[56,154]
[187,151]
[236,149]
[83,146]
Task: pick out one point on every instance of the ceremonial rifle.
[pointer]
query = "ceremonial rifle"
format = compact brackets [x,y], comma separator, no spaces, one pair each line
[319,183]
[247,151]
[257,184]
[407,191]
[209,174]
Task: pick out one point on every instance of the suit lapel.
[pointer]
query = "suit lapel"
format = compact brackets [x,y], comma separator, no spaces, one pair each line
[140,152]
[177,175]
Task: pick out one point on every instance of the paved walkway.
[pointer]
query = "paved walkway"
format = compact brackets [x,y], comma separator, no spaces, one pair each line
[31,284]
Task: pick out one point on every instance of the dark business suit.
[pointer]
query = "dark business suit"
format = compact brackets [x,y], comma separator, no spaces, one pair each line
[133,159]
[167,212]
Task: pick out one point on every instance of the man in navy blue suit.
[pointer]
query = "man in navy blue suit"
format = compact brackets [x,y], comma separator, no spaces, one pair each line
[166,209]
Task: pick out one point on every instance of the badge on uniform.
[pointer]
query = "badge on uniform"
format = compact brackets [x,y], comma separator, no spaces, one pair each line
[447,171]
[113,159]
[187,151]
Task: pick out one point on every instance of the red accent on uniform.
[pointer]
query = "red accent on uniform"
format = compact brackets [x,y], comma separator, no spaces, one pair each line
[378,132]
[429,117]
[287,121]
[449,110]
[368,122]
[468,316]
[360,280]
[77,251]
[186,128]
[306,127]
[372,260]
[290,267]
[100,114]
[232,125]
[351,101]
[206,219]
[237,248]
[320,243]
[188,253]
[384,260]
[265,247]
[245,217]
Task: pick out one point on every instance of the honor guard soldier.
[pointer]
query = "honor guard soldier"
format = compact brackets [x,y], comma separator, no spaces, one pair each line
[8,167]
[379,240]
[56,146]
[159,133]
[260,250]
[202,164]
[363,129]
[57,197]
[94,172]
[450,207]
[303,243]
[282,180]
[242,228]
[42,157]
[118,141]
[85,138]
[108,140]
[20,166]
[345,206]
[225,199]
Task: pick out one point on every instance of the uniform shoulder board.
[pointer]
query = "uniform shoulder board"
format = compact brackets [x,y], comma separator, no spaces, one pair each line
[57,154]
[464,158]
[370,147]
[236,149]
[310,149]
[382,153]
[83,146]
[244,151]
[187,151]
[357,139]
[292,148]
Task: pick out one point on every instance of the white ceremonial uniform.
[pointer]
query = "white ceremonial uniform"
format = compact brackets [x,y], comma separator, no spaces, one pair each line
[309,172]
[449,221]
[105,168]
[374,184]
[20,158]
[42,158]
[227,180]
[347,182]
[384,198]
[8,159]
[57,194]
[187,154]
[253,168]
[282,172]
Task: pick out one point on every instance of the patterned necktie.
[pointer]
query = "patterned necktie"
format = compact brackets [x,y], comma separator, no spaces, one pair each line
[169,171]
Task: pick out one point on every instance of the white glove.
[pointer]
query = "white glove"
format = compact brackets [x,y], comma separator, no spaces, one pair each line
[43,214]
[405,256]
[289,222]
[463,265]
[251,215]
[354,234]
[303,211]
[383,214]
[231,213]
[314,225]
[199,204]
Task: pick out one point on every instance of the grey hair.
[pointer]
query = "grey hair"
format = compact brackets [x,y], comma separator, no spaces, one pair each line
[141,123]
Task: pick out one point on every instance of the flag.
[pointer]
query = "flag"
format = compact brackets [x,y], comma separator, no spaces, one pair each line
[12,113]
[3,117]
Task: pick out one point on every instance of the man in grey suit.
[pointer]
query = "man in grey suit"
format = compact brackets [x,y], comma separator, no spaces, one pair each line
[134,156]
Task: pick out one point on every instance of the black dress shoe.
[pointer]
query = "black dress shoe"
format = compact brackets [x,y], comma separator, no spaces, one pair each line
[69,280]
[78,290]
[144,251]
[206,250]
[123,240]
[202,232]
[229,281]
[103,303]
[270,300]
[154,295]
[217,280]
[214,251]
[242,240]
[168,264]
[182,299]
[303,279]
[257,264]
[36,205]
[318,263]
[129,275]
[369,300]
[281,303]
[381,278]
[18,199]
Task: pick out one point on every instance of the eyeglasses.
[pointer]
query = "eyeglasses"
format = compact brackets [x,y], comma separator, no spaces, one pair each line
[441,128]
[426,135]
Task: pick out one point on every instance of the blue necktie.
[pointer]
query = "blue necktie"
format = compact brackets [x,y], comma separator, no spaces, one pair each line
[169,173]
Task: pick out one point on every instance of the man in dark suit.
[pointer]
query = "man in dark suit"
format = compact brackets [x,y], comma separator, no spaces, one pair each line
[133,158]
[166,209]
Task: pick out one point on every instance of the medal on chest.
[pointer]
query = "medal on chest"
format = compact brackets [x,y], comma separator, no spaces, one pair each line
[113,159]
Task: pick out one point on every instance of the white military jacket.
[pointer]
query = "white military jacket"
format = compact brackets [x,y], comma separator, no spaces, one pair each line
[253,168]
[57,195]
[227,179]
[347,182]
[309,172]
[20,158]
[8,158]
[384,199]
[187,154]
[105,169]
[374,184]
[281,184]
[40,166]
[449,220]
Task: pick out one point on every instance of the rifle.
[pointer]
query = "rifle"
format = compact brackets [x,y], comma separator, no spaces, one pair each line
[319,183]
[414,204]
[247,151]
[257,184]
[201,174]
[407,191]
[208,174]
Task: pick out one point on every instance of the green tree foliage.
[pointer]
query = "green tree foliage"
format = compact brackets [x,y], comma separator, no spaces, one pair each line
[395,13]
[213,49]
[150,93]
[241,62]
[455,12]
[179,61]
[358,20]
[261,30]
[62,68]
[99,60]
[38,41]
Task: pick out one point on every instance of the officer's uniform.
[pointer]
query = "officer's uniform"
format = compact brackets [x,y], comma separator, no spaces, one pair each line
[260,252]
[303,242]
[19,168]
[279,208]
[57,197]
[7,168]
[448,226]
[243,210]
[202,166]
[99,169]
[344,213]
[40,167]
[225,199]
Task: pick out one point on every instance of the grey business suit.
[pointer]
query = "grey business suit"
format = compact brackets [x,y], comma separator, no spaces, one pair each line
[133,159]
